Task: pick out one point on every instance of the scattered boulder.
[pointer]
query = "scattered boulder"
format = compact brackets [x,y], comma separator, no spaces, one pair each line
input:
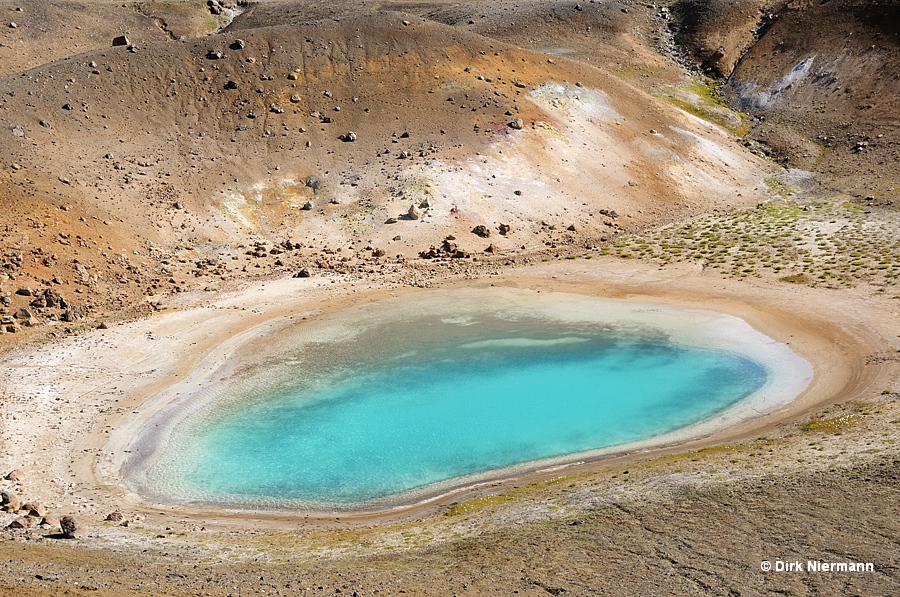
[231,84]
[238,44]
[68,526]
[481,231]
[571,228]
[214,55]
[13,506]
[102,326]
[25,291]
[7,497]
[303,273]
[50,521]
[504,229]
[391,221]
[491,249]
[379,253]
[313,183]
[295,98]
[350,137]
[517,123]
[35,509]
[23,313]
[121,40]
[14,475]
[26,522]
[414,212]
[115,516]
[307,206]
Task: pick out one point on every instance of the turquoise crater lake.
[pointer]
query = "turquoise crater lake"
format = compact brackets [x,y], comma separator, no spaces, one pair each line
[406,398]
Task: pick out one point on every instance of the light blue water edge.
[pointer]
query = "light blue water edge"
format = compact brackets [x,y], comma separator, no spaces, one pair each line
[404,399]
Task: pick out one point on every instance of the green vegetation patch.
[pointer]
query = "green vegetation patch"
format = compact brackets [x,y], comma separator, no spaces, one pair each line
[818,244]
[477,505]
[832,425]
[704,100]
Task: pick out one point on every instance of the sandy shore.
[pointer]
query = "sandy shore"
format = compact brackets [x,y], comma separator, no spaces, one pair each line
[69,408]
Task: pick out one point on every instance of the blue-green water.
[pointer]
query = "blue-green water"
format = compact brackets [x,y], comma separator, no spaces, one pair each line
[452,403]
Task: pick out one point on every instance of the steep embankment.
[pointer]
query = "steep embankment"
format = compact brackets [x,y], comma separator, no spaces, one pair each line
[821,81]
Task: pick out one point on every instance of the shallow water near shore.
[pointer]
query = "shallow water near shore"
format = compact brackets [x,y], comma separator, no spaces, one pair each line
[401,399]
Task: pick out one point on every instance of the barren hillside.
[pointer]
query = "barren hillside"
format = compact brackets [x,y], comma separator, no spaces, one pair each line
[378,136]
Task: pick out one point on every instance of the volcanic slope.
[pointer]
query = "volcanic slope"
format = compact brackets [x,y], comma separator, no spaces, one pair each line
[225,141]
[35,32]
[821,79]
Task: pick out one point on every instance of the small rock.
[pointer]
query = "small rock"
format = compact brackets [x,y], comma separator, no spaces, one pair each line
[232,84]
[12,25]
[379,253]
[50,521]
[481,231]
[7,497]
[391,221]
[178,205]
[295,98]
[350,137]
[571,228]
[26,522]
[414,212]
[35,509]
[115,516]
[49,577]
[214,55]
[491,249]
[102,326]
[303,273]
[68,526]
[121,40]
[15,475]
[307,206]
[293,77]
[517,123]
[13,506]
[25,291]
[238,44]
[504,229]
[405,23]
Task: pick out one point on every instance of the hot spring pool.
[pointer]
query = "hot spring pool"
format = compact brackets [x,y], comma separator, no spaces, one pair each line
[405,398]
